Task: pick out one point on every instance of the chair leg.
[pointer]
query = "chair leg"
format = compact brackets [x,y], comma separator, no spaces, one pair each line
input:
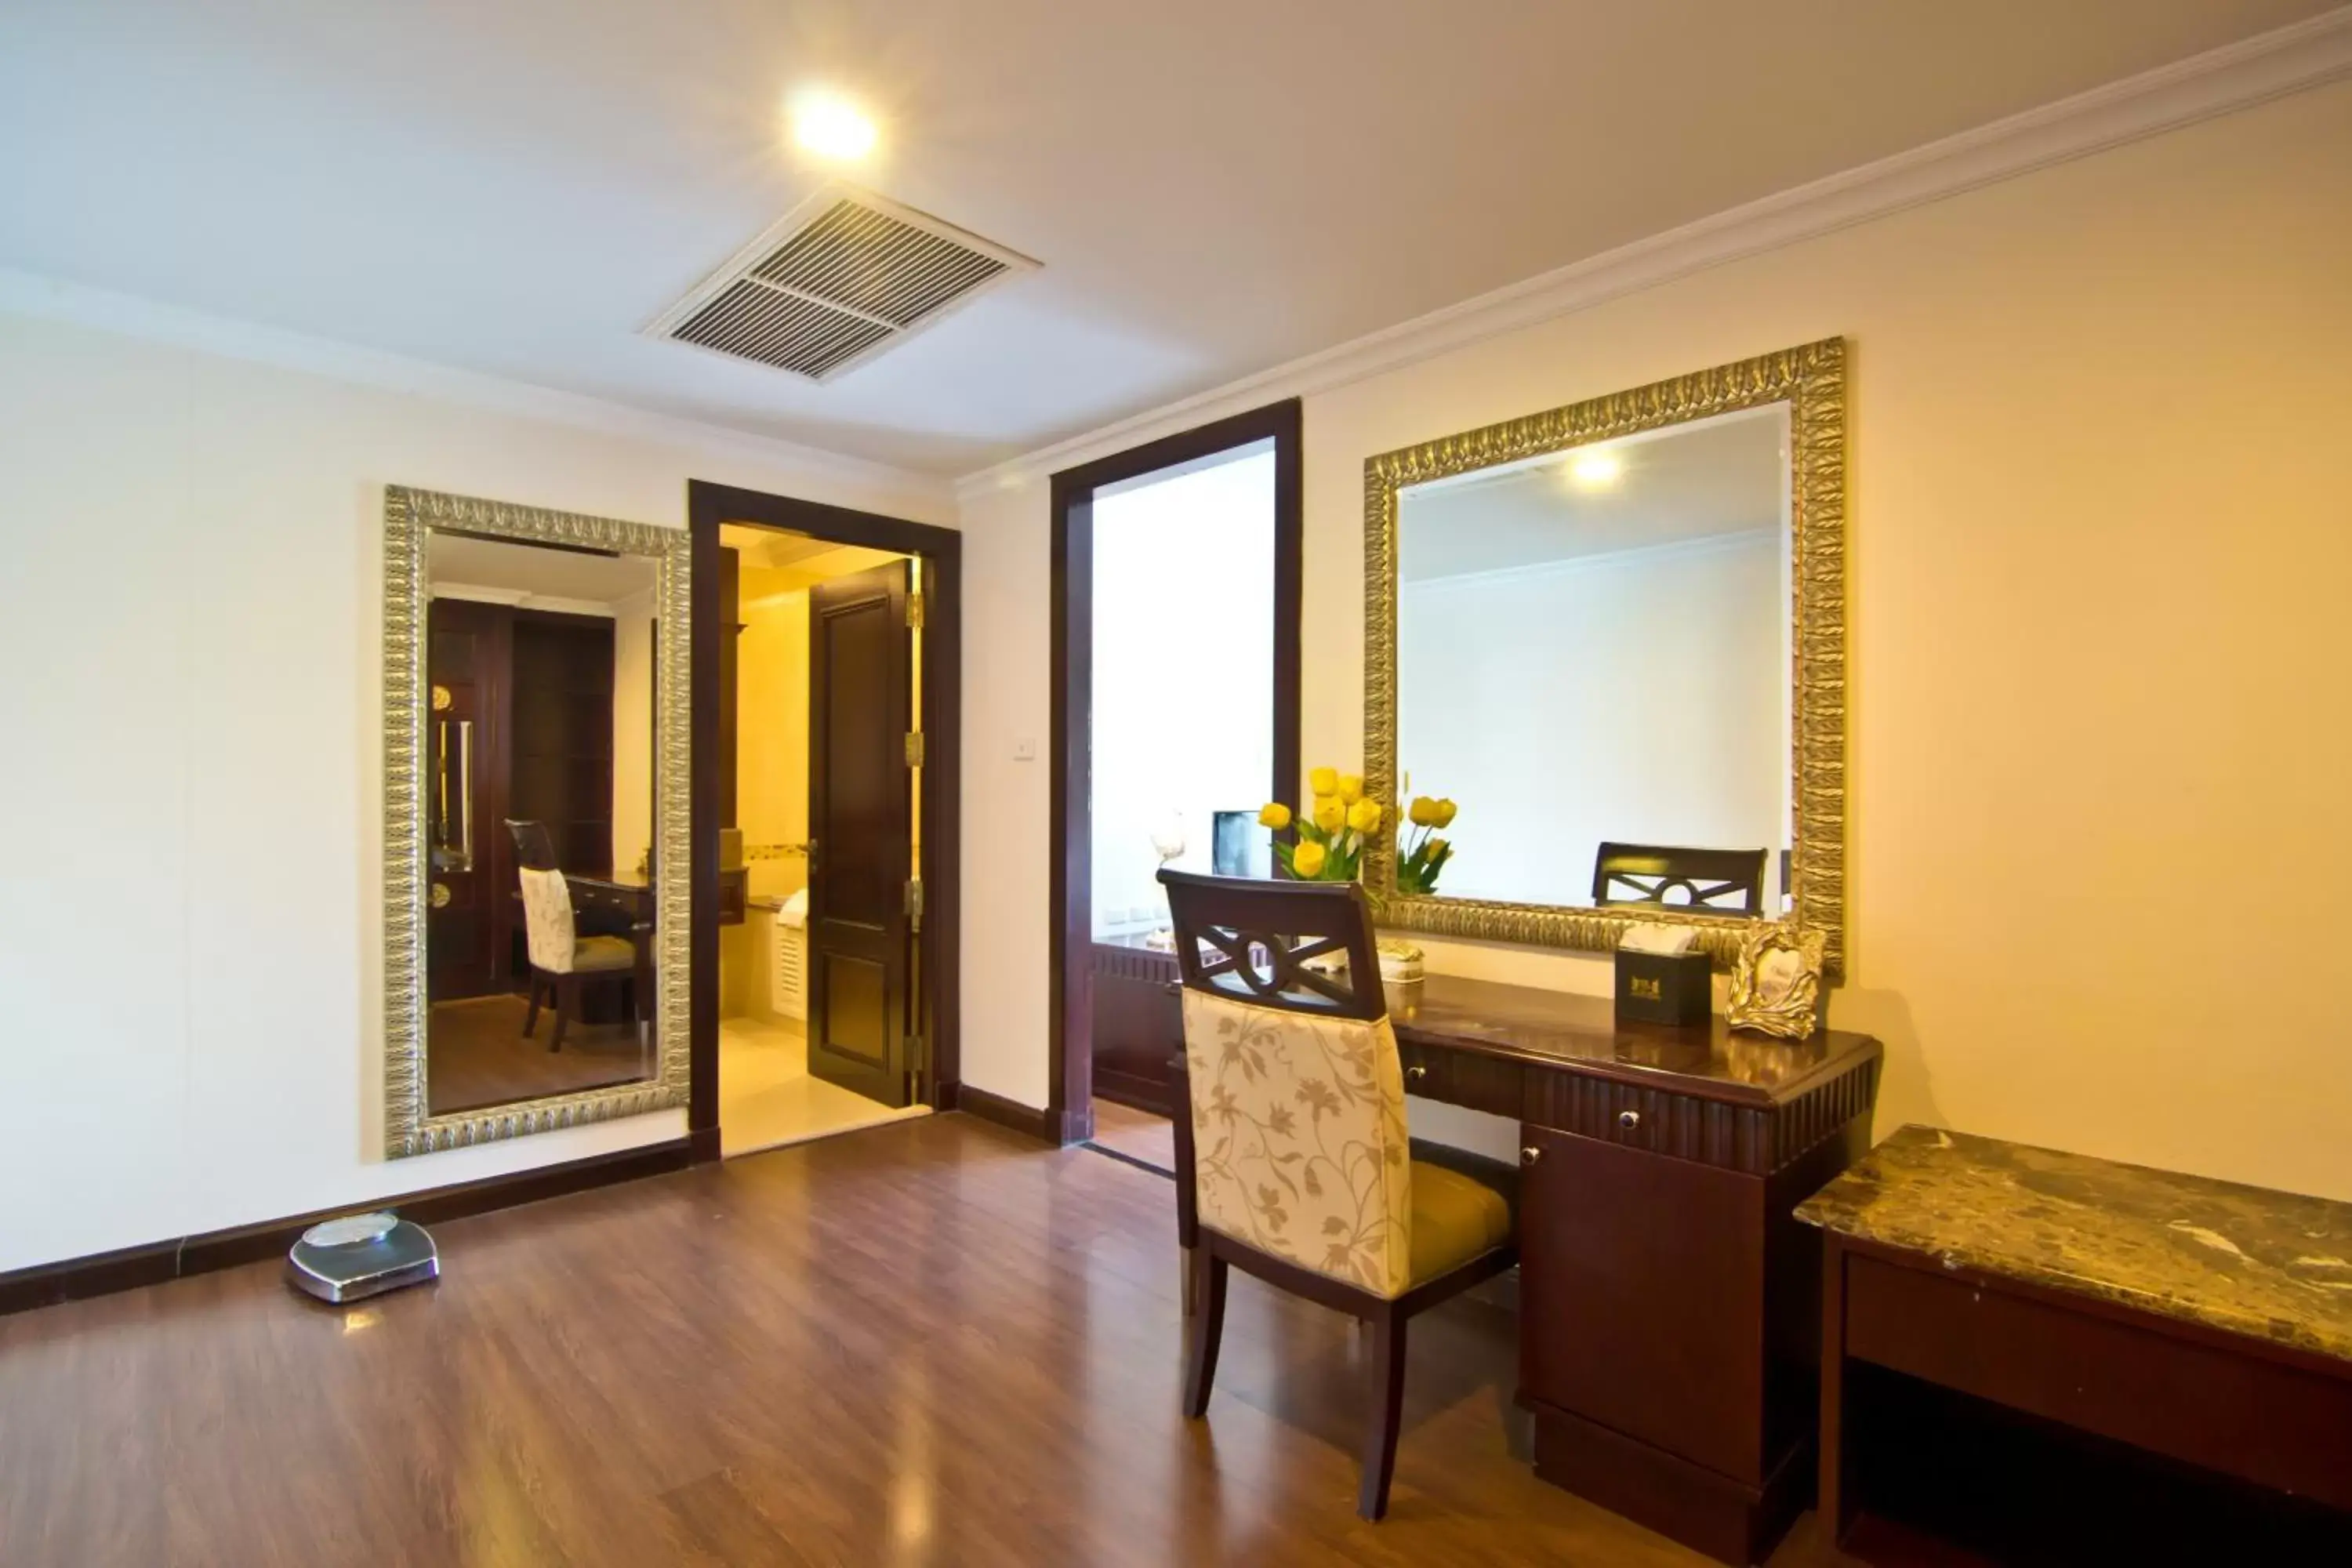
[567,1002]
[1386,1366]
[531,1014]
[1208,1328]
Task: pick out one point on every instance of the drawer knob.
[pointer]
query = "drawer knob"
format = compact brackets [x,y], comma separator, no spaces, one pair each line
[1529,1155]
[1416,1073]
[1629,1120]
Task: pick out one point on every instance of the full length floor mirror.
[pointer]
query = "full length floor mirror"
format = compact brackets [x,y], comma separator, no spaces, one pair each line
[535,819]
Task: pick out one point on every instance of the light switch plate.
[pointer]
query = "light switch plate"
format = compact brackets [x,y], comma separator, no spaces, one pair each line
[1025,750]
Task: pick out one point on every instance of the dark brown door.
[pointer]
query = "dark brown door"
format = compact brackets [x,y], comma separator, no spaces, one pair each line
[465,664]
[861,831]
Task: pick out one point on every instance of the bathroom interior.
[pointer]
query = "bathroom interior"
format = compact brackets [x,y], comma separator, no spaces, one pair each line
[771,1090]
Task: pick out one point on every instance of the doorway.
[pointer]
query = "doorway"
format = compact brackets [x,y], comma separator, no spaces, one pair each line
[823,836]
[1176,569]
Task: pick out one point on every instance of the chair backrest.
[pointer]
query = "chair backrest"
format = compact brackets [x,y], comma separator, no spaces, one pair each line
[1295,1139]
[547,919]
[1726,881]
[534,845]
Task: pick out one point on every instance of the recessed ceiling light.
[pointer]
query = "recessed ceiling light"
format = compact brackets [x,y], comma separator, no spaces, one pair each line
[830,126]
[1596,471]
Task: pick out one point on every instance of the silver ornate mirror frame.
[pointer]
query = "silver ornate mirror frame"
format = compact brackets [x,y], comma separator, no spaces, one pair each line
[408,1127]
[1811,381]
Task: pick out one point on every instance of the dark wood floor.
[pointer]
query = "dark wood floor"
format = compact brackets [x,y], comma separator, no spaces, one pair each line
[932,1343]
[476,1055]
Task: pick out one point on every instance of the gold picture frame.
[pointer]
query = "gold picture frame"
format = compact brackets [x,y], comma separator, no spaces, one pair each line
[408,515]
[1812,380]
[1788,1006]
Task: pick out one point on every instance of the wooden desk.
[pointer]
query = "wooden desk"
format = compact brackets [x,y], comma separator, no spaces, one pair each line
[2199,1319]
[622,907]
[1669,1302]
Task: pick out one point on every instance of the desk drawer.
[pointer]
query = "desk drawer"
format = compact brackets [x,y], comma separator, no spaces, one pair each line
[2238,1411]
[1463,1077]
[1733,1137]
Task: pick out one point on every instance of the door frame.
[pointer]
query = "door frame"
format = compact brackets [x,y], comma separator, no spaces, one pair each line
[940,549]
[1070,1010]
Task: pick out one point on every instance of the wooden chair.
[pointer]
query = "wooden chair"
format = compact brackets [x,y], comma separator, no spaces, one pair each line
[1292,1158]
[534,845]
[1646,873]
[559,959]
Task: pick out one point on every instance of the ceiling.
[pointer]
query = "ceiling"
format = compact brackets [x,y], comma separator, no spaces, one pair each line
[536,571]
[1686,482]
[1215,187]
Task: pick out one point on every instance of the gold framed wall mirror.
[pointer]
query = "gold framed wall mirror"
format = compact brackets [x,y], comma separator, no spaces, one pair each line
[535,784]
[1614,635]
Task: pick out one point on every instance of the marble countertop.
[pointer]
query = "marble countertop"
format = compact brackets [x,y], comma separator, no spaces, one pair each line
[2246,1260]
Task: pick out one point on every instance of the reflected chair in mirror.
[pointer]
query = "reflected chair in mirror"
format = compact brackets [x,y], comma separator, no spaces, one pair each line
[1719,881]
[1293,1162]
[560,960]
[534,845]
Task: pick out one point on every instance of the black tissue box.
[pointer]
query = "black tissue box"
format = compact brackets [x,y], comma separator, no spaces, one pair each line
[1664,988]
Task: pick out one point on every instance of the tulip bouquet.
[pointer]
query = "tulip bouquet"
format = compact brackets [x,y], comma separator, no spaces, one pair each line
[1343,819]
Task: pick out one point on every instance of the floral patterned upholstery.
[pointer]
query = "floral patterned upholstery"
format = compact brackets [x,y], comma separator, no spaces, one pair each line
[1300,1149]
[548,931]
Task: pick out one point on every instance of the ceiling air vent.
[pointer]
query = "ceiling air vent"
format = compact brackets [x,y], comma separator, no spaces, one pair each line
[842,276]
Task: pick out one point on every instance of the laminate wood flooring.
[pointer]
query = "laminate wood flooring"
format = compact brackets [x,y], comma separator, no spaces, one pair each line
[932,1343]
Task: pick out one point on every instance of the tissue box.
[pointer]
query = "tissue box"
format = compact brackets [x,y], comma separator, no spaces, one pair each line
[1664,988]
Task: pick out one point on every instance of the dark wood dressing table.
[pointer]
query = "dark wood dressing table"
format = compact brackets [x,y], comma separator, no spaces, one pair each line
[1669,1304]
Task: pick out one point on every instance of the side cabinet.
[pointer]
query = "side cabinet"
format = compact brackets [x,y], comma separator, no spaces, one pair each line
[1669,1301]
[1138,1024]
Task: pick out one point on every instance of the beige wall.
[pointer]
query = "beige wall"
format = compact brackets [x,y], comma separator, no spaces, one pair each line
[771,707]
[191,903]
[2101,503]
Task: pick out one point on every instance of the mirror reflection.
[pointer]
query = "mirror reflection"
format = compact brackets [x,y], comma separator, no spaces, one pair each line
[1593,660]
[539,791]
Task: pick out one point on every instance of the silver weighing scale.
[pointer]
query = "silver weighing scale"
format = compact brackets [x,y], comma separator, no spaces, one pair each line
[361,1254]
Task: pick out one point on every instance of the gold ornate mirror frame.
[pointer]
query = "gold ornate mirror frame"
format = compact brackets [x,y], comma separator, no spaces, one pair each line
[1811,381]
[408,1126]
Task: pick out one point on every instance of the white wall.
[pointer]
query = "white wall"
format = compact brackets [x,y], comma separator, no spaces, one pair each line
[2100,532]
[190,903]
[1183,635]
[1635,696]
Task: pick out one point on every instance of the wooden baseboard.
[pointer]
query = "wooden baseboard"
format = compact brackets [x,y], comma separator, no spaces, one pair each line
[1046,1126]
[75,1278]
[703,1145]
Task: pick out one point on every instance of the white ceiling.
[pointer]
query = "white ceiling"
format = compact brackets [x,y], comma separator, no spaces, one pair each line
[1688,482]
[1216,187]
[535,570]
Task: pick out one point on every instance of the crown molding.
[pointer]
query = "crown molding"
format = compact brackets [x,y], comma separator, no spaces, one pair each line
[51,299]
[2236,75]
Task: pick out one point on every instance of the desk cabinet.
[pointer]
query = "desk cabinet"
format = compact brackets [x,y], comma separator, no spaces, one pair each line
[1669,1301]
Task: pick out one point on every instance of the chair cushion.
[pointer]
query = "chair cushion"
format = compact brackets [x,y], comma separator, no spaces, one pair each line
[1454,1218]
[591,953]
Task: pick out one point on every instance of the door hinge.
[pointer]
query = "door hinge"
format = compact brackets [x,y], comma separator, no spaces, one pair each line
[915,901]
[915,611]
[914,748]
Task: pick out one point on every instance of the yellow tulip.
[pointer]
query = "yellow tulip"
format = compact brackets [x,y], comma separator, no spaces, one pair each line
[1423,812]
[1273,815]
[1307,860]
[1364,816]
[1444,815]
[1324,781]
[1436,847]
[1351,788]
[1329,815]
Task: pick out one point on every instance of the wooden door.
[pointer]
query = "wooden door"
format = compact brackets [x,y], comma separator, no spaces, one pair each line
[861,1020]
[465,665]
[1640,1284]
